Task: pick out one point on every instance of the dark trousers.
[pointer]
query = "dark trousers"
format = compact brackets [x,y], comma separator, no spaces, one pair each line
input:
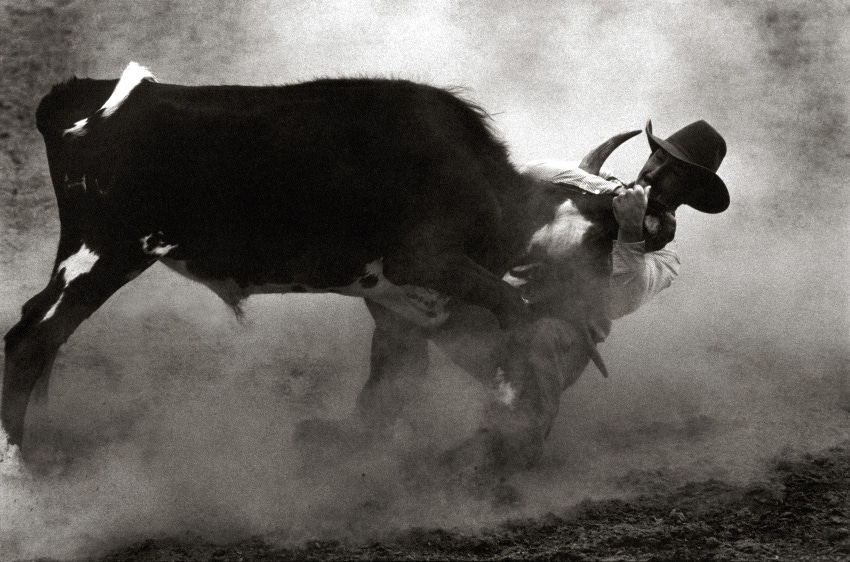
[527,367]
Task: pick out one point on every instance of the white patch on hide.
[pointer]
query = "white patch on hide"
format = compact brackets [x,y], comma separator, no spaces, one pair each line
[130,78]
[53,308]
[375,268]
[70,268]
[505,393]
[70,185]
[423,306]
[77,264]
[652,224]
[160,250]
[79,128]
[11,462]
[566,231]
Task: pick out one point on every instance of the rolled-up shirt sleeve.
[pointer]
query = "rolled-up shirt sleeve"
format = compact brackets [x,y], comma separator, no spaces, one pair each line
[563,171]
[637,276]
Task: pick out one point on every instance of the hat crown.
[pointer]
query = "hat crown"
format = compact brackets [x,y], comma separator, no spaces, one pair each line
[700,144]
[702,147]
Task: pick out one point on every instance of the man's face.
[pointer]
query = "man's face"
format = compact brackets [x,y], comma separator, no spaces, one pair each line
[668,177]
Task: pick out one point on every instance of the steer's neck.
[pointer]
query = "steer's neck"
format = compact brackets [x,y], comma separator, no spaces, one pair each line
[565,223]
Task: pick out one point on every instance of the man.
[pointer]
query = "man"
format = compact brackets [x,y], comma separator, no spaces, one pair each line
[547,355]
[571,305]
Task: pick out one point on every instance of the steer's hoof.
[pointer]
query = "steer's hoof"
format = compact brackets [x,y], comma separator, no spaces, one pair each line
[476,470]
[506,496]
[12,462]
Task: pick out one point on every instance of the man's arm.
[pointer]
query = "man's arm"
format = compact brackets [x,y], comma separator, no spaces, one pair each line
[629,210]
[637,275]
[568,172]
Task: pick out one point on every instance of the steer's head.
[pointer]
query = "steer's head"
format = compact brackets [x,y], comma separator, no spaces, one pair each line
[665,177]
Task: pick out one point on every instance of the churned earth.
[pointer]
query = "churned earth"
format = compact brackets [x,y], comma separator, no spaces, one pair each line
[800,512]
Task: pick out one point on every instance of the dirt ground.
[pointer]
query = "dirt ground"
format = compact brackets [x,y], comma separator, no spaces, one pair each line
[799,511]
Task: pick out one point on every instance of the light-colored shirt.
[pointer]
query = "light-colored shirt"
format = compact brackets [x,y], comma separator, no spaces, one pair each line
[637,276]
[568,172]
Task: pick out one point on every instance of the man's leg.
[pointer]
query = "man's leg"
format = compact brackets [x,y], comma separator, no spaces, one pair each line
[539,362]
[473,340]
[399,364]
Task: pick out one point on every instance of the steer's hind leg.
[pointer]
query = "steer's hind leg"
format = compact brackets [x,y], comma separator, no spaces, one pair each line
[398,367]
[82,282]
[459,276]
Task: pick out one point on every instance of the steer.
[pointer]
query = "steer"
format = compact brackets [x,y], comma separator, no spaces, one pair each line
[389,190]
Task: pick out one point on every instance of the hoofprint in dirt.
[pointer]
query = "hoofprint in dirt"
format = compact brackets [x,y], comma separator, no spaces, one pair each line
[801,511]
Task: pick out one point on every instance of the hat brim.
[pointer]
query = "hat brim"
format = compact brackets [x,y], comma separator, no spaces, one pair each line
[713,197]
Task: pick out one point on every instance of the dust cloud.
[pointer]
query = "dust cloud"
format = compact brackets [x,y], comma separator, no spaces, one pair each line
[168,416]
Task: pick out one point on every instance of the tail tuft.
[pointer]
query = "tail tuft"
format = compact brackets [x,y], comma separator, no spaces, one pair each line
[132,76]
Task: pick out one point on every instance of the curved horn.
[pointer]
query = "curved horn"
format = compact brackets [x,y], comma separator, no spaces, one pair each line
[596,157]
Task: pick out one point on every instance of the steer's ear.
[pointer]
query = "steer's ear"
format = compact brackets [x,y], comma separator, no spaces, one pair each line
[592,163]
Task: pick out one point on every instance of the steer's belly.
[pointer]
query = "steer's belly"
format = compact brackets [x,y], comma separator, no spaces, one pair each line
[422,306]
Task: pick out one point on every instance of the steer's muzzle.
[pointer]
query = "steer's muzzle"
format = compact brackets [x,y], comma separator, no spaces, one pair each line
[659,227]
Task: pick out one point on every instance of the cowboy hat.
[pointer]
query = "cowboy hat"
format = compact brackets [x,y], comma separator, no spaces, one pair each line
[703,149]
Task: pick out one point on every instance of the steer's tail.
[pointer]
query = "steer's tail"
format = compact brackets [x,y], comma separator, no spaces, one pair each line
[132,76]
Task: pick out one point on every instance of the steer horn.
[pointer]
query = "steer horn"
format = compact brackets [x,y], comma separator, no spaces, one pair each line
[596,157]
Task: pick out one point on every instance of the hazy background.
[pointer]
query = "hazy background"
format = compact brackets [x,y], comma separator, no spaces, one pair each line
[182,416]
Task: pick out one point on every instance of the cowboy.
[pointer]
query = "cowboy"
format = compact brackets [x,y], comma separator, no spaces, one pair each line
[540,360]
[537,361]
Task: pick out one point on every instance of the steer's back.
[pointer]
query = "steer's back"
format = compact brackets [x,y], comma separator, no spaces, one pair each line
[272,181]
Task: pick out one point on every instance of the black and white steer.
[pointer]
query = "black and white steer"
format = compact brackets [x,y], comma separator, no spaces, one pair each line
[389,190]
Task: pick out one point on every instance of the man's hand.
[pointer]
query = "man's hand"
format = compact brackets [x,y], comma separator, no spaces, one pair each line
[629,210]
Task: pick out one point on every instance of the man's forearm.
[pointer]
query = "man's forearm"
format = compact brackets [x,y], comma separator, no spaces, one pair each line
[628,234]
[629,210]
